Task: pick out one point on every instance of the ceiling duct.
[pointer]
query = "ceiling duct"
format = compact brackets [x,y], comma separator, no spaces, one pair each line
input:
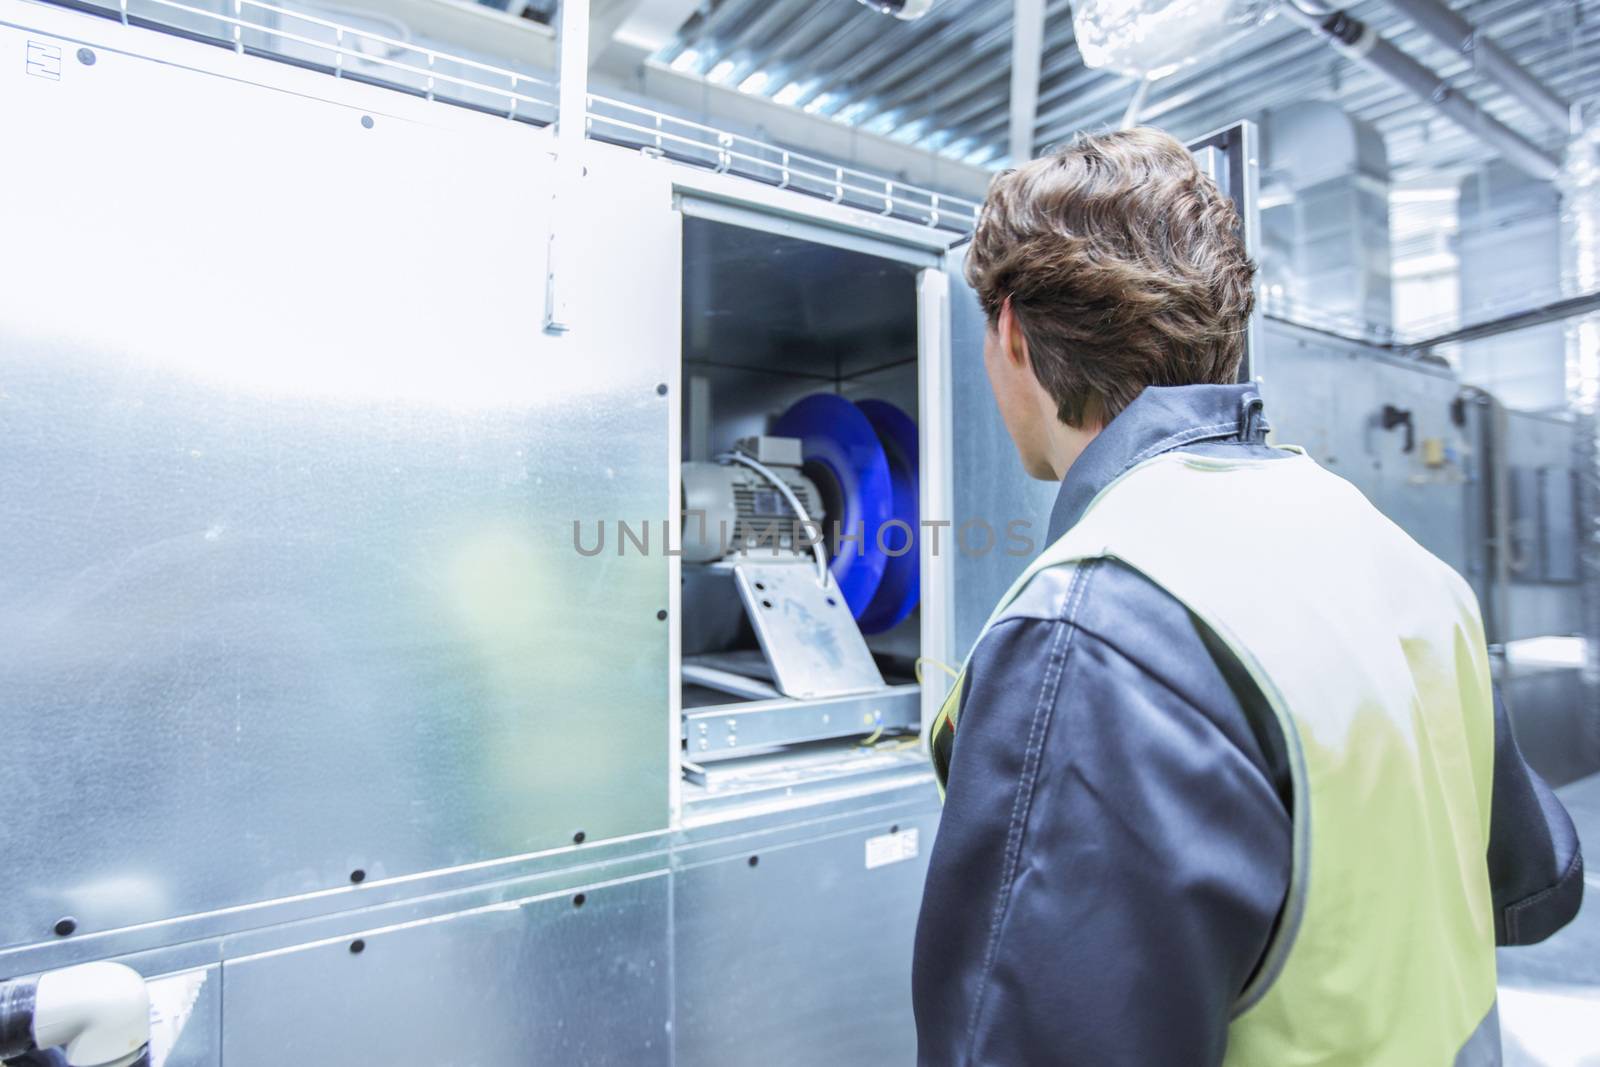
[1360,43]
[1447,27]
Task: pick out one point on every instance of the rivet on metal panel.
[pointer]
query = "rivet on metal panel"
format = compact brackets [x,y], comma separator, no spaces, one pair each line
[65,926]
[661,615]
[357,947]
[86,56]
[895,828]
[754,861]
[578,900]
[579,838]
[661,390]
[366,122]
[358,876]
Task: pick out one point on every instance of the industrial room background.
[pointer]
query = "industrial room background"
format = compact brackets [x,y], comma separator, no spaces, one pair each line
[327,350]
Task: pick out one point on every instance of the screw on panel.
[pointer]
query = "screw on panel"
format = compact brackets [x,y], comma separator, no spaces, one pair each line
[358,876]
[661,390]
[754,861]
[86,56]
[661,615]
[579,837]
[366,121]
[895,828]
[357,947]
[65,926]
[578,900]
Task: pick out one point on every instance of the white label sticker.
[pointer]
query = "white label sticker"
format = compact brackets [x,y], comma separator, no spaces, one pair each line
[891,848]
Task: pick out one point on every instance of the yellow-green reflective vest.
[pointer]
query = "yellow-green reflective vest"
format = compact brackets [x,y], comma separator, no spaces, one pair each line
[1371,653]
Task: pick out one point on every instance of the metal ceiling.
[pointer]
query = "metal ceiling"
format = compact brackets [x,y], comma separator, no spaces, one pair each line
[943,82]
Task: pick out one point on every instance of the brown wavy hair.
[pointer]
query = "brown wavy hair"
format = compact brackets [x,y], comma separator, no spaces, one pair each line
[1125,267]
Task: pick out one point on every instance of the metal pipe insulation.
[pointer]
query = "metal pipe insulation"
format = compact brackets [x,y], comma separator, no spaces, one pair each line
[1361,43]
[97,1013]
[1451,30]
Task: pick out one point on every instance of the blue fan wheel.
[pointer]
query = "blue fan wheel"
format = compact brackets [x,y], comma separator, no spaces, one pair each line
[839,439]
[901,587]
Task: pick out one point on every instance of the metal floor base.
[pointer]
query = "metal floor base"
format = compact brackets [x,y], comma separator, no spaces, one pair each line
[1550,993]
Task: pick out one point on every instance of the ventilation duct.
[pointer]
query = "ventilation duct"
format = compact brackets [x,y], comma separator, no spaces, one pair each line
[1325,256]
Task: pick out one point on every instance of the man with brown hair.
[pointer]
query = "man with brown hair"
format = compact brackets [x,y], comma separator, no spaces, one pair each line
[1225,778]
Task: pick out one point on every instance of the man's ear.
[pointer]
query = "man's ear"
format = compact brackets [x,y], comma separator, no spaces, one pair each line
[1013,343]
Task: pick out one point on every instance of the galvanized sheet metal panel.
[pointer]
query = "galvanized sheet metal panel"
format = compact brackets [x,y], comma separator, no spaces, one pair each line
[536,982]
[803,957]
[288,587]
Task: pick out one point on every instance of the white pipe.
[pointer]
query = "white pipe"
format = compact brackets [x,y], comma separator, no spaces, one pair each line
[1027,61]
[98,1014]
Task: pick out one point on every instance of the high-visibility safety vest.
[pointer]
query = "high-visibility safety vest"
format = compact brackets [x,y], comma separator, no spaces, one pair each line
[1371,653]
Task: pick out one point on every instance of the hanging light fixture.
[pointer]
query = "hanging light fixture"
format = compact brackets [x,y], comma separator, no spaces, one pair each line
[900,9]
[1153,38]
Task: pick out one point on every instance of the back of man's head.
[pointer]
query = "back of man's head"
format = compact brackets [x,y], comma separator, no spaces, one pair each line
[1124,266]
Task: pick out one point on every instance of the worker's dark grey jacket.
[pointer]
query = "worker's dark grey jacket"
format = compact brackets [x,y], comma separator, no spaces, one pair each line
[1108,907]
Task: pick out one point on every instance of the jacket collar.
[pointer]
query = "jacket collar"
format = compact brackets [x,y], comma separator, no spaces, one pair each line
[1160,419]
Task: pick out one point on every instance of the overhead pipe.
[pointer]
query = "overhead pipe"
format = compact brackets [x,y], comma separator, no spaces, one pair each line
[1447,27]
[1361,43]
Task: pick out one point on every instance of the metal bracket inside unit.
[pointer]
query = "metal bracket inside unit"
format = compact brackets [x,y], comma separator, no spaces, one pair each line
[806,630]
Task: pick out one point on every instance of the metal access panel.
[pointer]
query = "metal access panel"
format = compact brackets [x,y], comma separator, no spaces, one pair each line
[1542,600]
[988,487]
[794,946]
[578,978]
[1329,396]
[288,586]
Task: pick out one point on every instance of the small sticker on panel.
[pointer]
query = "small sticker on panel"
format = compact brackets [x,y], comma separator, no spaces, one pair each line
[891,848]
[44,60]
